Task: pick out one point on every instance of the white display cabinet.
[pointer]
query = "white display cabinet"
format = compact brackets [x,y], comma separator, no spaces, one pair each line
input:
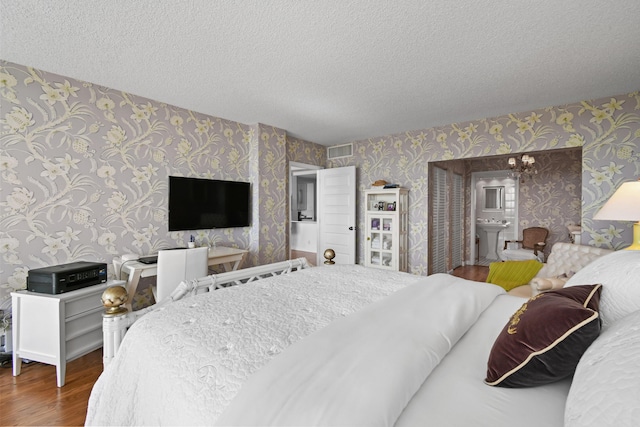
[387,223]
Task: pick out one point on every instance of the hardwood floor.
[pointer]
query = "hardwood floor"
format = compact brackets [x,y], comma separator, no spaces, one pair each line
[478,273]
[32,398]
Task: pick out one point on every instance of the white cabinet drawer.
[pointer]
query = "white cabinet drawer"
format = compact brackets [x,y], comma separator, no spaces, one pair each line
[83,304]
[84,323]
[83,344]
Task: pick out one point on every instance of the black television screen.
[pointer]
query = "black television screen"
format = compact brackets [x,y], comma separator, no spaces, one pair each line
[199,204]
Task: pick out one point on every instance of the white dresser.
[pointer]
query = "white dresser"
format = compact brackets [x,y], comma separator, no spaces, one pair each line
[55,329]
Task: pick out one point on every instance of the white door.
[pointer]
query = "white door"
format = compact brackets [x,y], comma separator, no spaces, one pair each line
[337,214]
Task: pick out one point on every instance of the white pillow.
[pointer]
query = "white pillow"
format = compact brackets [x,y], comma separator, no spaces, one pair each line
[606,385]
[619,274]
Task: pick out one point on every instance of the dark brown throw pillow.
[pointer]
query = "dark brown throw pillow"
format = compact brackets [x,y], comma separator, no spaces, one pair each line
[544,340]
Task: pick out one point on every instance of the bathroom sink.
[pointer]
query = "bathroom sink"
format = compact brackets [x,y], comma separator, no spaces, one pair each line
[493,226]
[492,229]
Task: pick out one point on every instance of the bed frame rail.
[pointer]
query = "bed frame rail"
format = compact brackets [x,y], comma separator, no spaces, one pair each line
[115,326]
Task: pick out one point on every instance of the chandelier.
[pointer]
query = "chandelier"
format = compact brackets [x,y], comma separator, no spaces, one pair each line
[525,169]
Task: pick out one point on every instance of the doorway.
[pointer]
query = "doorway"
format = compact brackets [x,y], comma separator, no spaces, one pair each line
[551,198]
[494,214]
[303,212]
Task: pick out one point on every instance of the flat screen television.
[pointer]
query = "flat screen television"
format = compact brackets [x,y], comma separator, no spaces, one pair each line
[200,204]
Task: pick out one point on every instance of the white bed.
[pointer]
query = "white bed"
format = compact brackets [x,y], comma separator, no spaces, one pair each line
[347,345]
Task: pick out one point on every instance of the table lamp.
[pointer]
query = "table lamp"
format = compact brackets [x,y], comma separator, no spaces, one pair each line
[624,205]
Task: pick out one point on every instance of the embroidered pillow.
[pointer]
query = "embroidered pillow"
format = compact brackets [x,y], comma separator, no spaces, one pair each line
[544,340]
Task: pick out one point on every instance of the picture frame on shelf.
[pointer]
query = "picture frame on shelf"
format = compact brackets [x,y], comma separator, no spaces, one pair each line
[391,206]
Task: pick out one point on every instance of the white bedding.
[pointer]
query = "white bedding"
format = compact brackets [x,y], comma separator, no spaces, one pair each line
[456,395]
[431,343]
[183,364]
[363,369]
[606,386]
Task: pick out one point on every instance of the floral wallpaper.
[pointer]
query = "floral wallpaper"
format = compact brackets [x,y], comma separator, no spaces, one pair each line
[301,151]
[84,174]
[84,170]
[608,130]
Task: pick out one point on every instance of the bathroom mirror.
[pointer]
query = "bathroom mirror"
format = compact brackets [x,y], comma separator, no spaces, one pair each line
[493,198]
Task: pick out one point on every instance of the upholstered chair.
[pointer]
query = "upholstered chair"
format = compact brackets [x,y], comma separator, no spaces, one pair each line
[531,246]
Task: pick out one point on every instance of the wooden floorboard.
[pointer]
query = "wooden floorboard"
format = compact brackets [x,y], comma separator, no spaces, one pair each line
[472,272]
[33,399]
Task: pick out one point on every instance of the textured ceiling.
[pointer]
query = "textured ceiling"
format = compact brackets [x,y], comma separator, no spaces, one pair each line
[336,71]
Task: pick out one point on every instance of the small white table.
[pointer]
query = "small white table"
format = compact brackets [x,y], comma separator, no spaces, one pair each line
[133,271]
[55,329]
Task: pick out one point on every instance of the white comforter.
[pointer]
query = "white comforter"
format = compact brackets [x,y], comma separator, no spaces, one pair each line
[344,345]
[182,365]
[364,369]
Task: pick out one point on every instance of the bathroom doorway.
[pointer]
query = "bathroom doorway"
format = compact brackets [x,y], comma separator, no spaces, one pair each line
[494,214]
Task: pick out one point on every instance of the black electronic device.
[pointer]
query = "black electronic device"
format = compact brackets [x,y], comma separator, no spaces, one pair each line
[151,259]
[201,204]
[62,278]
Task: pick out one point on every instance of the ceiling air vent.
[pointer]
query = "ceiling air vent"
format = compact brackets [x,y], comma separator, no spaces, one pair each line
[338,151]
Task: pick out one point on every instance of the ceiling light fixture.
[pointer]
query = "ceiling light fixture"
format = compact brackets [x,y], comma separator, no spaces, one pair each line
[525,169]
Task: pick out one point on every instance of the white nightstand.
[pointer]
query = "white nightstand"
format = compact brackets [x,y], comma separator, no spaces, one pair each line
[55,329]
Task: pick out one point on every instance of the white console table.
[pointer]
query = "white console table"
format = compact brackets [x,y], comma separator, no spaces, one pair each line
[133,271]
[55,329]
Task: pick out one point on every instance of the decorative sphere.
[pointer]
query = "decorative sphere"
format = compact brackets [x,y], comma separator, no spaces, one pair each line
[329,255]
[113,299]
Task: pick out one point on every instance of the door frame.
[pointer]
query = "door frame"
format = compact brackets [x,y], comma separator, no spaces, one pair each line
[294,169]
[475,176]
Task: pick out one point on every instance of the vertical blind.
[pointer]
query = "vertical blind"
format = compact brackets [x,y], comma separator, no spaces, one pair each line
[439,206]
[457,220]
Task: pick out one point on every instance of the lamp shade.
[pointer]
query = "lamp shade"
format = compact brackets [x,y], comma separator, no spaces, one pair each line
[624,205]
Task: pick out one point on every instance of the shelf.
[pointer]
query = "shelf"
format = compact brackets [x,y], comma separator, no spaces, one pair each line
[387,235]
